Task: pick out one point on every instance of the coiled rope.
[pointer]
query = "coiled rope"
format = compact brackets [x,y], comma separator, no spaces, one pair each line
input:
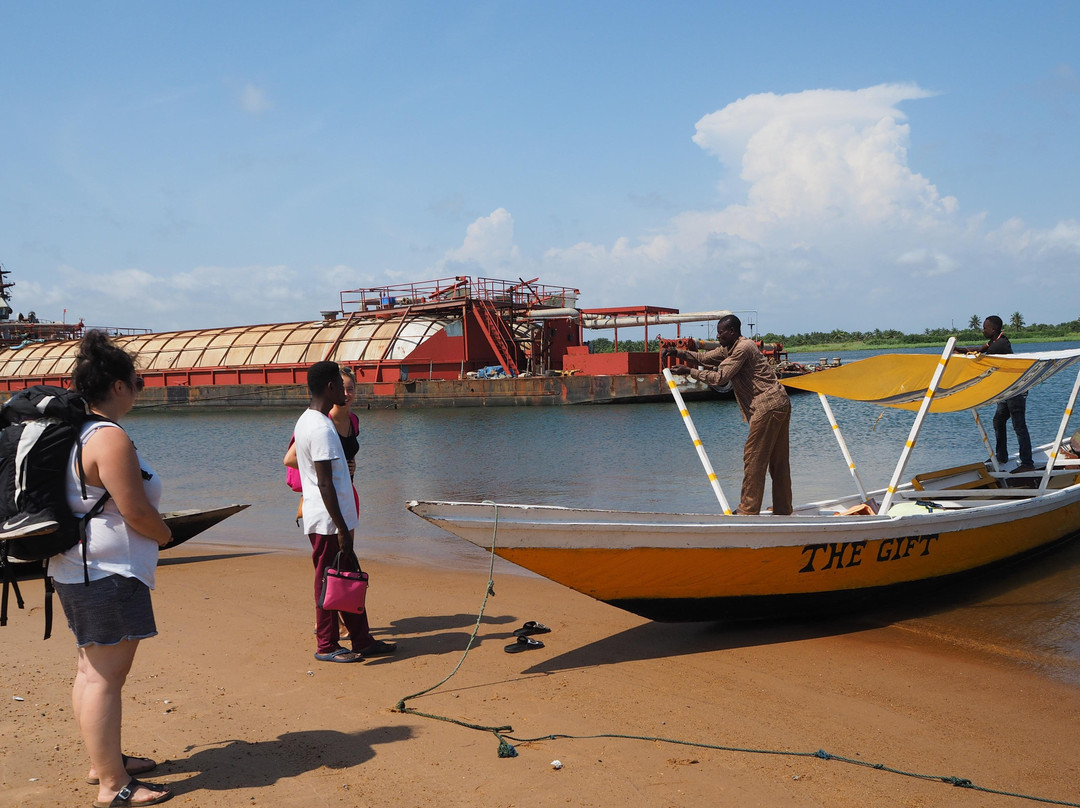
[507,750]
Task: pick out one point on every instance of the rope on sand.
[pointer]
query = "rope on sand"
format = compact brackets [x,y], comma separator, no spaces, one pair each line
[505,749]
[508,750]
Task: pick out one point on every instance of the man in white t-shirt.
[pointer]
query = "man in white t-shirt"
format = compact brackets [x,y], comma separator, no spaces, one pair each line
[330,512]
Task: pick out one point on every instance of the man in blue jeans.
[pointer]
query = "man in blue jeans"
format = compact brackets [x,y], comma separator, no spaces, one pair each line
[1014,408]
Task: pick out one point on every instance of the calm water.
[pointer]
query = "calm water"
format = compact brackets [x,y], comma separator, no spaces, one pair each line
[634,457]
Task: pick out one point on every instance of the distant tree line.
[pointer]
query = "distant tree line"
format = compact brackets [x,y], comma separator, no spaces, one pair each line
[604,345]
[1014,326]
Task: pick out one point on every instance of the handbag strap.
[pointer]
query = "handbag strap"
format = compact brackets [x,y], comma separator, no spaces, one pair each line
[338,559]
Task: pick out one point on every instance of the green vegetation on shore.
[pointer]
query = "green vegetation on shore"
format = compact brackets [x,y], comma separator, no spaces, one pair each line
[931,337]
[838,340]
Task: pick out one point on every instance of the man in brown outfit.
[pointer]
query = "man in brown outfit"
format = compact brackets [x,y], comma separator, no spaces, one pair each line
[764,404]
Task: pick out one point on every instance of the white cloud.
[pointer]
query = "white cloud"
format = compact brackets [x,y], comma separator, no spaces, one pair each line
[925,263]
[253,99]
[488,247]
[836,229]
[820,156]
[202,297]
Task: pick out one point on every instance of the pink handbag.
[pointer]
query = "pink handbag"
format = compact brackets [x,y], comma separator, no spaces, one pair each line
[292,476]
[343,590]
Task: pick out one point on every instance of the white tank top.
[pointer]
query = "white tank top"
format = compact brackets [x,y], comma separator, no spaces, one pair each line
[113,547]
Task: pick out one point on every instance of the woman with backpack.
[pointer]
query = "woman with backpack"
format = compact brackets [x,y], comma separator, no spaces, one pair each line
[112,613]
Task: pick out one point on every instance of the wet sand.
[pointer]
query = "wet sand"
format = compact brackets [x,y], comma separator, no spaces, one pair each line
[230,694]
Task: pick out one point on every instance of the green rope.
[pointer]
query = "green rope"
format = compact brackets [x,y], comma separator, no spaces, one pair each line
[508,750]
[505,749]
[959,782]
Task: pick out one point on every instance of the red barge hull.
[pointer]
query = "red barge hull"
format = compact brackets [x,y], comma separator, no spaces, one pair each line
[453,342]
[535,391]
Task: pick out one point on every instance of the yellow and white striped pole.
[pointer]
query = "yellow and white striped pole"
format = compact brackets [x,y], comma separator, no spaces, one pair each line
[843,446]
[915,427]
[697,442]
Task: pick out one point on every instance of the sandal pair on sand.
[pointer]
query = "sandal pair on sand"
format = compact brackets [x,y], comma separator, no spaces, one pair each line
[524,641]
[377,648]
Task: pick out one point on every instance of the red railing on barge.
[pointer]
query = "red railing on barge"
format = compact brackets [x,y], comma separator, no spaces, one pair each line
[518,295]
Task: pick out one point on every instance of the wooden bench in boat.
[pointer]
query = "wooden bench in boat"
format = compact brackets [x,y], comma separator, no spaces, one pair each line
[973,475]
[973,483]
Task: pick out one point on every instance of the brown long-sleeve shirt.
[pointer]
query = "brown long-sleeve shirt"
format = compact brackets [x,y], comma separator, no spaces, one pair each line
[749,373]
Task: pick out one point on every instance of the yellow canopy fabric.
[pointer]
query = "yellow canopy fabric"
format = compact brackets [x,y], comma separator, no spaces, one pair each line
[969,381]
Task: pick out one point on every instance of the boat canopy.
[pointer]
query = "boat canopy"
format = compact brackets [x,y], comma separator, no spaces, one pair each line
[969,381]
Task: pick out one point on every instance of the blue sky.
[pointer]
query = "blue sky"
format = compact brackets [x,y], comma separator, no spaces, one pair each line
[827,165]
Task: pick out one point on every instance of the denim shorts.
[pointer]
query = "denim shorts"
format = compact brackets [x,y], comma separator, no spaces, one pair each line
[108,611]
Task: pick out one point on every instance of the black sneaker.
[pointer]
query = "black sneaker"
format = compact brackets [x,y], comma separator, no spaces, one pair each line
[28,524]
[1023,468]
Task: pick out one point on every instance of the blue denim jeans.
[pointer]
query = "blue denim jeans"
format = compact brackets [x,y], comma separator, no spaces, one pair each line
[1014,408]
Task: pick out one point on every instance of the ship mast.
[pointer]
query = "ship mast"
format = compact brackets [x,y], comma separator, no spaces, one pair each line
[5,284]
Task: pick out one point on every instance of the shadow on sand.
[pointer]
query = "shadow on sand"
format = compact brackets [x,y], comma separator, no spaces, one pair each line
[241,764]
[439,634]
[168,562]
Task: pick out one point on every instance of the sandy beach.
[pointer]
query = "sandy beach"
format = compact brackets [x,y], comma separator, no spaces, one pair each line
[230,695]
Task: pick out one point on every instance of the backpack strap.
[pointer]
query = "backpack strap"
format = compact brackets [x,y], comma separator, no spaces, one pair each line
[79,466]
[10,583]
[99,506]
[79,450]
[49,589]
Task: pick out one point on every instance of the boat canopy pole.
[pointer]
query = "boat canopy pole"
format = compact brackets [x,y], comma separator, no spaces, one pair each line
[843,445]
[986,441]
[697,442]
[915,427]
[1056,447]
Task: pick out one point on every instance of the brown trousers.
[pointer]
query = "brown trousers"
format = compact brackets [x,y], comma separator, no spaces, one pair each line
[767,449]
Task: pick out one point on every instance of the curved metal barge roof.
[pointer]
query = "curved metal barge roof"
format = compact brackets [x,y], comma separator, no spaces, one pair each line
[346,341]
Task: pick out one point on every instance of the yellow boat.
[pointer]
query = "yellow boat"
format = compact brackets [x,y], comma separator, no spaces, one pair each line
[829,555]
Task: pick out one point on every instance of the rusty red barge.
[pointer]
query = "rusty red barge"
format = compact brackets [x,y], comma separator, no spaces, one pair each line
[449,342]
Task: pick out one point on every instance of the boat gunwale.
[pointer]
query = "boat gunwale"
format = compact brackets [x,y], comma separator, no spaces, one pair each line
[724,531]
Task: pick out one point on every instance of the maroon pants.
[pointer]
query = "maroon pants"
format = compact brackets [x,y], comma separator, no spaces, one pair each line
[323,550]
[767,449]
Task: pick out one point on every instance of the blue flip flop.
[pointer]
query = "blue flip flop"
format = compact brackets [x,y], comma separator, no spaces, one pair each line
[531,627]
[339,655]
[523,644]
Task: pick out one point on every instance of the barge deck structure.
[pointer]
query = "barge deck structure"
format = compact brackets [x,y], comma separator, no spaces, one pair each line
[449,342]
[24,331]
